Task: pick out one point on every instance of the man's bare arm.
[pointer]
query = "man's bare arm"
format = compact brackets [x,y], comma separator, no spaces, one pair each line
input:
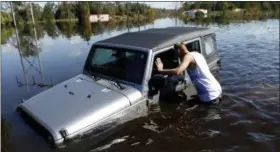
[176,71]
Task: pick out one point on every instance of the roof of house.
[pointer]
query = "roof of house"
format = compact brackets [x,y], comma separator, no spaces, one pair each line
[98,14]
[156,38]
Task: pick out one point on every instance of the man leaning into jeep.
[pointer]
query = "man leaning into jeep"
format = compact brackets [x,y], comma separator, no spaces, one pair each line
[208,88]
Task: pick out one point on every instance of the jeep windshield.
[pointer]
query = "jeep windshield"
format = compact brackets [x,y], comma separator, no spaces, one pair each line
[122,64]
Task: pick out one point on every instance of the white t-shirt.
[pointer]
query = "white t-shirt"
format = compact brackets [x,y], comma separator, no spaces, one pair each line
[207,87]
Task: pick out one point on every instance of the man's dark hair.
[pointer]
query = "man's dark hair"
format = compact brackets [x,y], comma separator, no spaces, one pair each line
[177,45]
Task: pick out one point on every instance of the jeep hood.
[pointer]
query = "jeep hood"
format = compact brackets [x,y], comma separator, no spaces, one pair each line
[76,104]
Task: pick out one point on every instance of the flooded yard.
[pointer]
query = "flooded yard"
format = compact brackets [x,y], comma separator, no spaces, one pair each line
[248,119]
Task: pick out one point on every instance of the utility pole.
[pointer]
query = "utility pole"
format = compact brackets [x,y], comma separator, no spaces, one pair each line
[37,48]
[31,8]
[18,43]
[214,11]
[176,14]
[127,16]
[138,16]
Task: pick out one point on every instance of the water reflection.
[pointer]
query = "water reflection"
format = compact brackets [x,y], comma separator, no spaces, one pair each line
[86,30]
[225,19]
[6,33]
[25,40]
[51,29]
[5,136]
[28,48]
[67,29]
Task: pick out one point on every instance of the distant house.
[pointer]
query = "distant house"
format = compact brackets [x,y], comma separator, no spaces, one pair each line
[237,10]
[99,18]
[192,12]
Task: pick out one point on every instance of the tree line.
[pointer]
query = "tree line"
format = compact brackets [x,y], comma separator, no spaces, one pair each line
[77,11]
[230,5]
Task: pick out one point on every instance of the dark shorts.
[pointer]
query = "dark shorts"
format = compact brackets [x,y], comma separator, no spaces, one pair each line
[196,99]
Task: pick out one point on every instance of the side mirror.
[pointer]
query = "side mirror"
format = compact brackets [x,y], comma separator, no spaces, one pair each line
[158,81]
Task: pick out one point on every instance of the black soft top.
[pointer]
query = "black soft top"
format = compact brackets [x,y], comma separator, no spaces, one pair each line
[157,38]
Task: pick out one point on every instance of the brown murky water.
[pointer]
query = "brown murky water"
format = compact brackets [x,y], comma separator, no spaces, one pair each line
[248,119]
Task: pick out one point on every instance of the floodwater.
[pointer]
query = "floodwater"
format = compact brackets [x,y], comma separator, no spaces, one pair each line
[248,119]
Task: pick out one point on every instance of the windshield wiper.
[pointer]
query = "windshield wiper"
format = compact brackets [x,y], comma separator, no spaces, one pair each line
[118,84]
[93,77]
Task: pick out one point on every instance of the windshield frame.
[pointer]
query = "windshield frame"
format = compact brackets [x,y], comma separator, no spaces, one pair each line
[109,77]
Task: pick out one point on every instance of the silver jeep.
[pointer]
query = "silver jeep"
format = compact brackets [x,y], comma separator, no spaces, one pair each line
[118,84]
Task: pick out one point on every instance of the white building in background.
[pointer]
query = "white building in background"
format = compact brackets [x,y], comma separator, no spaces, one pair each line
[237,10]
[192,12]
[99,18]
